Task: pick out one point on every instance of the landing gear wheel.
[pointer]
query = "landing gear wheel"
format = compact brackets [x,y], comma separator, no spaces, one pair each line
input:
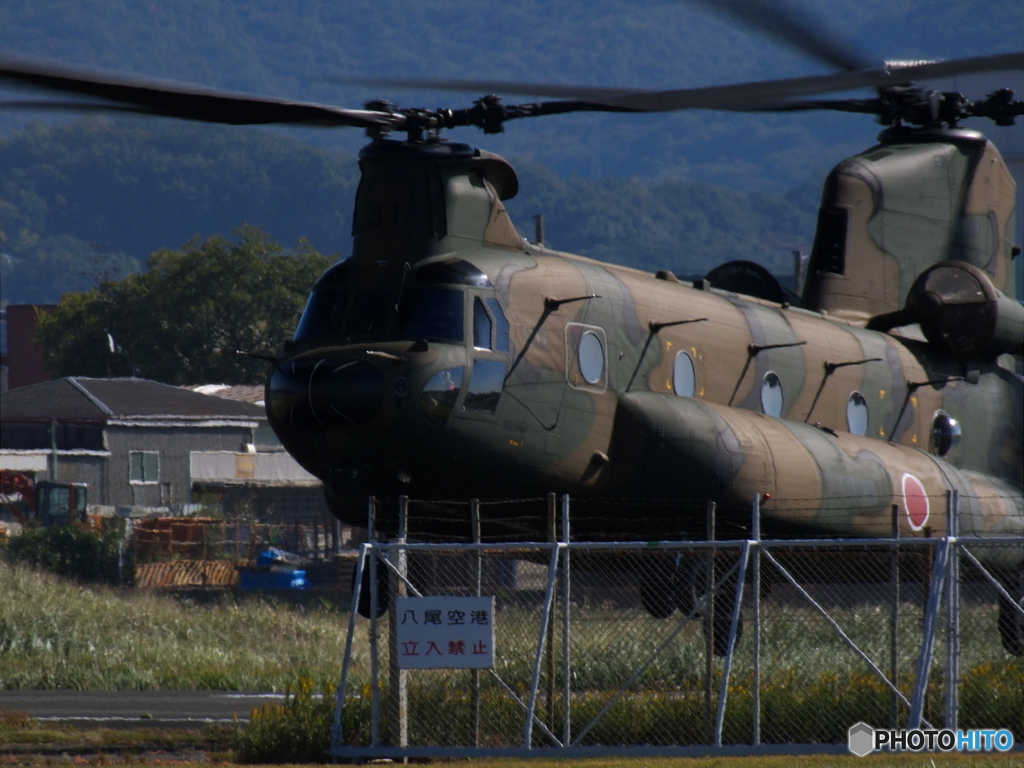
[1011,622]
[723,601]
[722,623]
[363,607]
[686,591]
[658,587]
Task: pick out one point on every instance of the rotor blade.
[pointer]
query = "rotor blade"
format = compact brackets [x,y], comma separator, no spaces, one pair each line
[753,96]
[931,70]
[186,102]
[594,94]
[789,25]
[72,106]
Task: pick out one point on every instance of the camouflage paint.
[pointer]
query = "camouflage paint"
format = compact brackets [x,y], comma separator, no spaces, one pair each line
[625,433]
[911,204]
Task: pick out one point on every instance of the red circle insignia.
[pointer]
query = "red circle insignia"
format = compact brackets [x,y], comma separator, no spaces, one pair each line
[915,501]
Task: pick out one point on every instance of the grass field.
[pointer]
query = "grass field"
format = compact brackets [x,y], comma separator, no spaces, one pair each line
[24,743]
[57,634]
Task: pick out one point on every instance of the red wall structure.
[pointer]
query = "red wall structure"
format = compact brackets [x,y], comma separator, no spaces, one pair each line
[24,363]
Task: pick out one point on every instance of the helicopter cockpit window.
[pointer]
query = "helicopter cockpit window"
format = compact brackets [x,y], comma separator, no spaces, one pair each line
[485,385]
[500,325]
[337,273]
[458,272]
[324,313]
[857,414]
[438,398]
[684,381]
[371,311]
[433,313]
[481,325]
[771,395]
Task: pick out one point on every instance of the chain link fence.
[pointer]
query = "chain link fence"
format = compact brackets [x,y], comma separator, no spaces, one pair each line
[198,555]
[670,646]
[199,538]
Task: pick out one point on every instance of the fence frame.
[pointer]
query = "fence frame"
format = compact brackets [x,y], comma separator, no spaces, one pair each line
[944,588]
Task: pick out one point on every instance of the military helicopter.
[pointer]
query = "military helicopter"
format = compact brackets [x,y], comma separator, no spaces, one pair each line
[449,357]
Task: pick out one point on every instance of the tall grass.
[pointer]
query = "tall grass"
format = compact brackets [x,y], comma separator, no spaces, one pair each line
[55,633]
[813,686]
[297,731]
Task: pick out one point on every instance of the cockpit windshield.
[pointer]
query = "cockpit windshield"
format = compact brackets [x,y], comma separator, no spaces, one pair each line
[335,308]
[432,313]
[324,313]
[371,313]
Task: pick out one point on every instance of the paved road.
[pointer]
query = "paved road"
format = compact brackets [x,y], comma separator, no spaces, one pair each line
[145,706]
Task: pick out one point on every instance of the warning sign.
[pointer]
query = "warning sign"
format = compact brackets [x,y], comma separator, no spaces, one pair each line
[445,632]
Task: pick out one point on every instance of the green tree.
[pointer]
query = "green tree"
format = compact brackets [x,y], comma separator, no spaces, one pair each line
[76,552]
[187,319]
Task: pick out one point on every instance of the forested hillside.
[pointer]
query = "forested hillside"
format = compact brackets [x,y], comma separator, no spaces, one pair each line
[307,51]
[94,198]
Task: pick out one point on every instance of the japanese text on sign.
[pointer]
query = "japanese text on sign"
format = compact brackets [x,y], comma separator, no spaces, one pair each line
[445,632]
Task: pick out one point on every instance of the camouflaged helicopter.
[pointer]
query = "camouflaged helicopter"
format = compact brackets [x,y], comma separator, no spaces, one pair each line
[449,357]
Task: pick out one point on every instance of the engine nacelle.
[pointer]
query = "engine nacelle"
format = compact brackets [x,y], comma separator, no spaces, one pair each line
[963,313]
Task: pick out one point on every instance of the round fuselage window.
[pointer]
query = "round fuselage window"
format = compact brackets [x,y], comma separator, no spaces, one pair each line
[945,433]
[771,394]
[591,358]
[684,380]
[857,414]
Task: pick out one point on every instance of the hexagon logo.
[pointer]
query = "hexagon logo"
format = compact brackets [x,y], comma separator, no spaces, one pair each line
[861,739]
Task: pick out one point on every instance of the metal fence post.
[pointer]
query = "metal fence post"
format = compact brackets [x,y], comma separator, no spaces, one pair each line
[939,568]
[549,666]
[755,535]
[894,621]
[952,702]
[337,735]
[398,679]
[478,563]
[549,592]
[731,644]
[371,531]
[709,623]
[566,636]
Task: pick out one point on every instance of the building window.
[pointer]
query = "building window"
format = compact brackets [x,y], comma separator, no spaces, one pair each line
[143,467]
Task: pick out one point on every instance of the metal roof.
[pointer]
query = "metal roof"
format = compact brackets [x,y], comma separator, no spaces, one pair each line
[248,393]
[85,398]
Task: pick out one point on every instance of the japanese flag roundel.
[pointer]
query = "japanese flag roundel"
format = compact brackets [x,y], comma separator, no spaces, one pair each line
[915,502]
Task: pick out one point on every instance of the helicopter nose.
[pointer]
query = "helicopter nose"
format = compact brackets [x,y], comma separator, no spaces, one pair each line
[324,392]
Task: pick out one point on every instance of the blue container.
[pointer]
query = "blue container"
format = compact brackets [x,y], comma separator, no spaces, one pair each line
[272,580]
[275,556]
